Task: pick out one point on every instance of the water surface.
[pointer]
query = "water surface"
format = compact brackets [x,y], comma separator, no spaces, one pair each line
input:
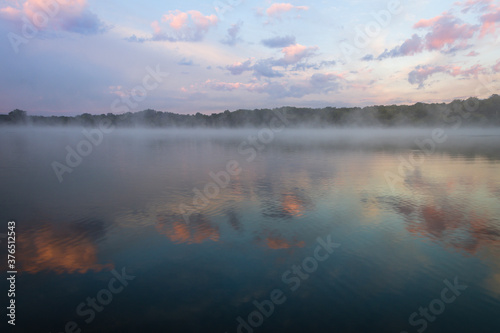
[402,229]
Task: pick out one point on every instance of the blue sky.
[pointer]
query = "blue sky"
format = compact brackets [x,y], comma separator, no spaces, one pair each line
[75,56]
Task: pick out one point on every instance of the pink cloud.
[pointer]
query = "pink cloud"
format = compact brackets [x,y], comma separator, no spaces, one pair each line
[201,21]
[177,19]
[183,26]
[156,27]
[425,23]
[473,71]
[73,16]
[276,9]
[446,31]
[295,53]
[489,22]
[118,90]
[10,12]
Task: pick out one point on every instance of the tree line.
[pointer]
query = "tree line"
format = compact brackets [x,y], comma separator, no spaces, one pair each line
[472,112]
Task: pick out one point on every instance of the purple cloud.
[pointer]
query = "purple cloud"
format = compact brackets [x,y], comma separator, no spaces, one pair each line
[264,68]
[186,62]
[232,38]
[279,42]
[409,47]
[422,73]
[368,57]
[240,67]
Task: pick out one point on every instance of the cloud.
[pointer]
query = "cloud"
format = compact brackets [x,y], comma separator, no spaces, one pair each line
[119,91]
[368,57]
[69,16]
[292,55]
[472,54]
[473,71]
[186,62]
[319,83]
[240,67]
[445,33]
[326,63]
[422,72]
[136,39]
[183,26]
[232,38]
[496,67]
[317,66]
[409,47]
[295,53]
[489,22]
[277,9]
[279,42]
[225,86]
[264,68]
[476,5]
[325,83]
[261,68]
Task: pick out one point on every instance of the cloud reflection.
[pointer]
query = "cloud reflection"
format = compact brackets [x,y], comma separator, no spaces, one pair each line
[439,211]
[60,250]
[199,230]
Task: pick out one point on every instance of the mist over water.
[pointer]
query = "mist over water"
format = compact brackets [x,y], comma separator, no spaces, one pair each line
[211,220]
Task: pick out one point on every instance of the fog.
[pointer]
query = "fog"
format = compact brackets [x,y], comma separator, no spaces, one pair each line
[43,140]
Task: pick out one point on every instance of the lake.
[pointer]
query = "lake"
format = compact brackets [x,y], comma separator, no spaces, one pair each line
[253,230]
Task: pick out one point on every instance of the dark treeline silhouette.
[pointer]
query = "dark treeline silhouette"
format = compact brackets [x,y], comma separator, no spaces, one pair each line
[471,112]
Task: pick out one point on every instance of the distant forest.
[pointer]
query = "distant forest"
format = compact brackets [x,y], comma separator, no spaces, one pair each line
[470,112]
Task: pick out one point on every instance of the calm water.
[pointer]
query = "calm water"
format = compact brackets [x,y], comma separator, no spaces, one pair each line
[128,208]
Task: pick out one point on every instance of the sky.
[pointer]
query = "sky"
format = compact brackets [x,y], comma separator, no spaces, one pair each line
[68,57]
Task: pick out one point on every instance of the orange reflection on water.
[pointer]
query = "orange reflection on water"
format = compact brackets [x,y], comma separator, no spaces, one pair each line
[277,243]
[452,225]
[60,252]
[196,232]
[292,205]
[441,200]
[456,230]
